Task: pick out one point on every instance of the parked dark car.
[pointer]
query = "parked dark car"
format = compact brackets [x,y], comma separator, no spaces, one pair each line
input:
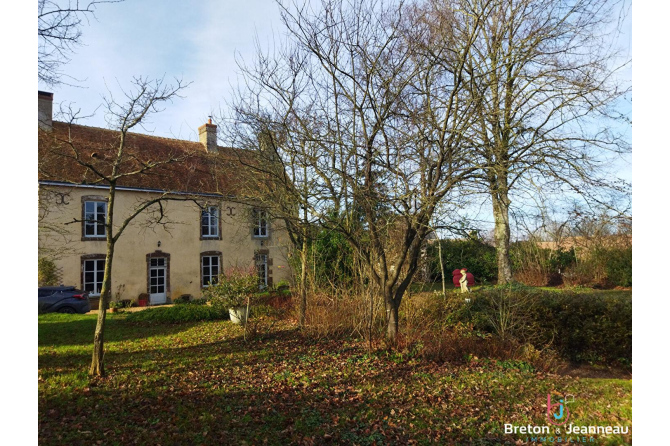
[62,299]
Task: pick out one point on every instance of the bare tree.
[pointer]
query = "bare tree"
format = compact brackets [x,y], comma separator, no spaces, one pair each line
[111,163]
[59,32]
[285,189]
[544,77]
[361,103]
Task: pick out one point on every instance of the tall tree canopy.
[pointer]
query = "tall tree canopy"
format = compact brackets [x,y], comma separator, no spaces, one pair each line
[544,75]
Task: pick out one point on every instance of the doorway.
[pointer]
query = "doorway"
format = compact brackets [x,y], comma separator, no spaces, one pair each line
[158,280]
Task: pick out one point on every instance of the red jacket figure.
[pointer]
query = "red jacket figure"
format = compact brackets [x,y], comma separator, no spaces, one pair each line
[457,277]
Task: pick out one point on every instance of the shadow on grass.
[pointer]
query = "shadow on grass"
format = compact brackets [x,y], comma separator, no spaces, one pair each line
[249,412]
[182,417]
[145,357]
[228,391]
[201,394]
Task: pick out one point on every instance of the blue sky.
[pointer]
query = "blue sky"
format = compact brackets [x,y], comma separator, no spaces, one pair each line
[196,41]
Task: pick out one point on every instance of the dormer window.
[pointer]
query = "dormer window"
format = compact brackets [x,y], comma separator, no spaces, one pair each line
[260,222]
[209,223]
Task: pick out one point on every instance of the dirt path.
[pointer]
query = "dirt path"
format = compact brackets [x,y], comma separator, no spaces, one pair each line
[134,309]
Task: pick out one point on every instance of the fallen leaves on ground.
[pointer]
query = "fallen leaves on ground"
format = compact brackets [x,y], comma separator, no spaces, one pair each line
[201,383]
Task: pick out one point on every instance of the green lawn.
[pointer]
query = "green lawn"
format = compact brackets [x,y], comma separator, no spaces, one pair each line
[201,383]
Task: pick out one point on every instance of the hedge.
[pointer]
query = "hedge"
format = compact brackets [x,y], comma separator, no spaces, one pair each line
[581,326]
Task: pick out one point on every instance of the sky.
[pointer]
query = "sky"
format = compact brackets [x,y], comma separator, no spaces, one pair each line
[195,41]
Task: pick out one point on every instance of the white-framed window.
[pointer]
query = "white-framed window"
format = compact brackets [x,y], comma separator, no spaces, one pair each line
[262,268]
[209,222]
[260,222]
[211,268]
[95,213]
[94,273]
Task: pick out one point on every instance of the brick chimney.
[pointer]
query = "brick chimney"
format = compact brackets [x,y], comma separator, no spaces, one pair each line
[208,136]
[45,102]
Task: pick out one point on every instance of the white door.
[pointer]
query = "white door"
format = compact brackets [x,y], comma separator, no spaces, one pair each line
[157,281]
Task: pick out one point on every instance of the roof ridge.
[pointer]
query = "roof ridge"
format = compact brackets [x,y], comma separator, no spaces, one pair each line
[130,133]
[151,136]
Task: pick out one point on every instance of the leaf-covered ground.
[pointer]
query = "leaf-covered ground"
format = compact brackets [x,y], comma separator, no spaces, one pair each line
[201,383]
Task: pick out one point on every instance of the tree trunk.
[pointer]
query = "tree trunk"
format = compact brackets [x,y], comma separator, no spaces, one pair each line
[372,318]
[303,282]
[501,234]
[97,361]
[444,278]
[392,319]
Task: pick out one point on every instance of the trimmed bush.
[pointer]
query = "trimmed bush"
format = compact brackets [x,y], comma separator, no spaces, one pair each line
[583,327]
[588,327]
[178,313]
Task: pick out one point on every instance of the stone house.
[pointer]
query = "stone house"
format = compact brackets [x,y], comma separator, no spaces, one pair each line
[172,249]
